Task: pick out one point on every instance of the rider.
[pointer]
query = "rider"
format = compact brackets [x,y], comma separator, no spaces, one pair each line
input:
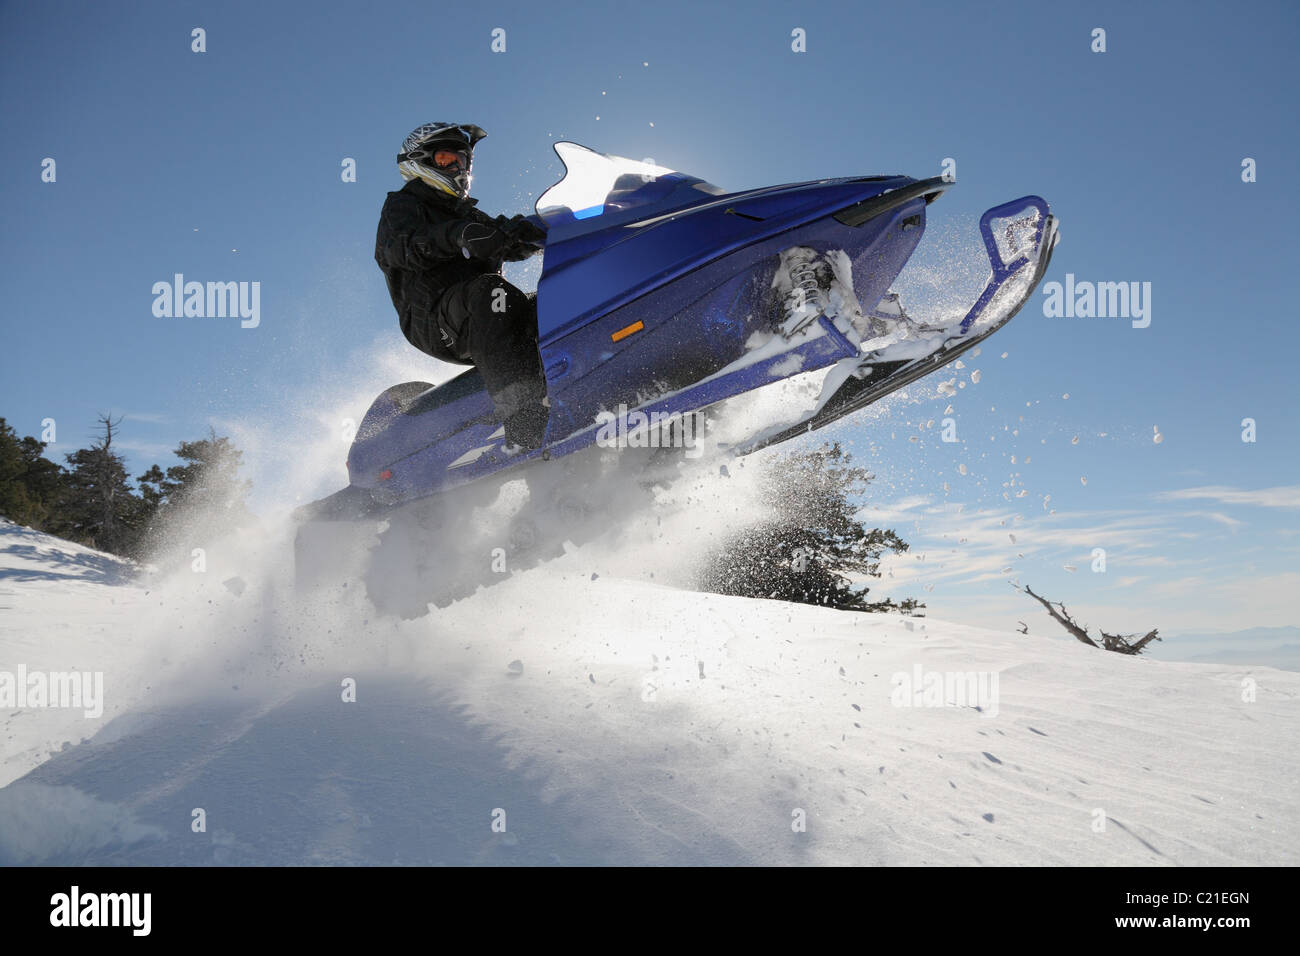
[442,259]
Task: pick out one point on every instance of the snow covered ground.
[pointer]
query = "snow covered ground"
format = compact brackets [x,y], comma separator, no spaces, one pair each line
[599,719]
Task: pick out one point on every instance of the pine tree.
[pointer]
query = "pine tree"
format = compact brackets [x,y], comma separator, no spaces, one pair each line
[92,501]
[812,540]
[31,486]
[204,495]
[100,508]
[16,502]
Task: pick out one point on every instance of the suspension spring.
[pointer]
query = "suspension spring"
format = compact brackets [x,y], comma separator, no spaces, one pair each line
[805,292]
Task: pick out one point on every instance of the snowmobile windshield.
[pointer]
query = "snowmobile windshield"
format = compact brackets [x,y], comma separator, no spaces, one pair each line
[600,190]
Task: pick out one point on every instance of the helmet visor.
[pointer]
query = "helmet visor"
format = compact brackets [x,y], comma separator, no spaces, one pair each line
[444,158]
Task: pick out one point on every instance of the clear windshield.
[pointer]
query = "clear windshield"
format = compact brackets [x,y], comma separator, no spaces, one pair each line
[599,189]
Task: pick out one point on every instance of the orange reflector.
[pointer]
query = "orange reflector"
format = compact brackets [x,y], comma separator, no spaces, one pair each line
[385,475]
[621,334]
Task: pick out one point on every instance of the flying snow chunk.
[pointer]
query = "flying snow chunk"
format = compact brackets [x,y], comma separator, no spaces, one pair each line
[975,377]
[962,469]
[1083,479]
[1156,436]
[1071,568]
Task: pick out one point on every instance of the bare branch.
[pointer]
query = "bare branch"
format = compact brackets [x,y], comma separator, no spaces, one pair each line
[1063,618]
[1151,636]
[1118,643]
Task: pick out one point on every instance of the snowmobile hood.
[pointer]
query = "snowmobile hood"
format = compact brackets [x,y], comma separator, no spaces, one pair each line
[618,228]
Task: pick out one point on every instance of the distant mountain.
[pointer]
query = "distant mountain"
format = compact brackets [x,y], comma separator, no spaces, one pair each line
[1271,646]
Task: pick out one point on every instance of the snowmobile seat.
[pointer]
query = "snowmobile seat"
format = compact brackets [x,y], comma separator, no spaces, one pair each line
[463,385]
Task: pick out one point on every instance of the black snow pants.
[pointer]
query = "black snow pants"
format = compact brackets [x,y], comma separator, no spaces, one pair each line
[494,325]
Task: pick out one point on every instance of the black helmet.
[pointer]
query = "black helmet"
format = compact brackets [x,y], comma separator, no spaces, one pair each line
[450,171]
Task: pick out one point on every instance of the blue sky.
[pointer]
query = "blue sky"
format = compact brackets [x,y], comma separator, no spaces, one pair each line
[225,166]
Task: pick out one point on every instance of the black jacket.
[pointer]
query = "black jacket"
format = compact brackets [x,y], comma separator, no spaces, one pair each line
[414,247]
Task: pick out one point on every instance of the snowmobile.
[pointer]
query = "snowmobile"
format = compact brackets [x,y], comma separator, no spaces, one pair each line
[661,296]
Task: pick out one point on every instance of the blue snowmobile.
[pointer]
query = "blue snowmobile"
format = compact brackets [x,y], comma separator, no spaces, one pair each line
[662,296]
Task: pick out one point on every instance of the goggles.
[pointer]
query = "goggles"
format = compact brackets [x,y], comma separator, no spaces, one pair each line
[450,158]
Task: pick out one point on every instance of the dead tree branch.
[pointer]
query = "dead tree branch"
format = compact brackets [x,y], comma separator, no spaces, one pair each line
[1119,643]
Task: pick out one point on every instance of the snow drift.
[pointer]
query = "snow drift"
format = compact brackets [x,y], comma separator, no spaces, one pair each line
[573,716]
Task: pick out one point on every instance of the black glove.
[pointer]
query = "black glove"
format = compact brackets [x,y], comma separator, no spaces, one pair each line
[523,229]
[518,251]
[480,240]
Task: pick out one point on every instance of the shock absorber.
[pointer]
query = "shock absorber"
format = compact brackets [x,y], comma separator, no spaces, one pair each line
[806,299]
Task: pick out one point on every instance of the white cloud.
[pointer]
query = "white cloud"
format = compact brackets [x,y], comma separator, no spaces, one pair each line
[144,449]
[894,512]
[1283,496]
[1218,516]
[1170,566]
[153,418]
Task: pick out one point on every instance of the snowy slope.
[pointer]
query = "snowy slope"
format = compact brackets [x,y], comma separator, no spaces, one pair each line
[612,721]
